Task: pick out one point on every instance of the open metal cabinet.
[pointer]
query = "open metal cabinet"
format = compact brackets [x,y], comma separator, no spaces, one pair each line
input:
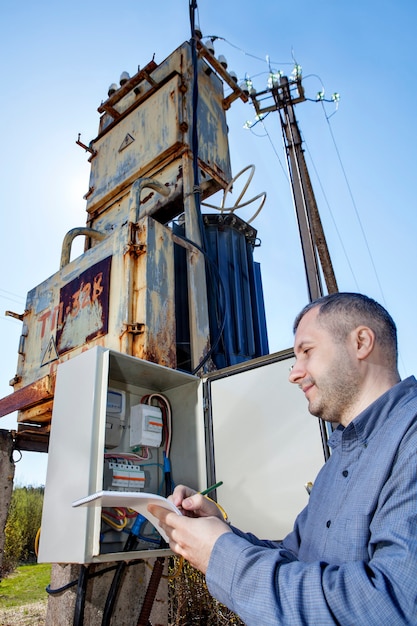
[245,425]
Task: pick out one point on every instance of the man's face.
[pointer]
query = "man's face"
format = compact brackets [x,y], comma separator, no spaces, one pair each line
[325,369]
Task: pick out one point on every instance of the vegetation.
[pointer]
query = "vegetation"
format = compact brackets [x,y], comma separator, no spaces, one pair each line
[22,526]
[26,585]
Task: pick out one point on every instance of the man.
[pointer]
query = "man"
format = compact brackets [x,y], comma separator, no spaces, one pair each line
[352,555]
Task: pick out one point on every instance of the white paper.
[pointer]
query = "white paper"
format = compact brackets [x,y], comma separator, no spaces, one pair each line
[138,501]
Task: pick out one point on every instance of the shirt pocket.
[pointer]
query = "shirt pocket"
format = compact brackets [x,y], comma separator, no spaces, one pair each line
[353,542]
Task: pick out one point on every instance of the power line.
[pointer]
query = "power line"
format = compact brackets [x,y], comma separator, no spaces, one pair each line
[354,205]
[331,214]
[10,293]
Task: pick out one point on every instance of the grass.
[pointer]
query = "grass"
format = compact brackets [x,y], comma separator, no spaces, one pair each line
[26,584]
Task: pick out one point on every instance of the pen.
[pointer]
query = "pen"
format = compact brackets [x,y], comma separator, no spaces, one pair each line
[212,488]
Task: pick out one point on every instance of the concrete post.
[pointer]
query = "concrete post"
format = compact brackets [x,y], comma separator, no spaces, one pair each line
[129,598]
[6,484]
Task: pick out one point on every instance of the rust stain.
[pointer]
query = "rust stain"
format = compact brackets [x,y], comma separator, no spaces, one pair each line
[148,197]
[28,396]
[38,414]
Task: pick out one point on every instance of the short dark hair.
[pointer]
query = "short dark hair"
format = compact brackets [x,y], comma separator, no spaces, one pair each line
[342,312]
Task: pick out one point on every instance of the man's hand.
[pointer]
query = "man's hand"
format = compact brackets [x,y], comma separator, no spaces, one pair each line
[193,504]
[194,538]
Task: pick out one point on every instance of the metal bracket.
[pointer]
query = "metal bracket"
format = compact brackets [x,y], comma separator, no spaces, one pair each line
[136,249]
[137,328]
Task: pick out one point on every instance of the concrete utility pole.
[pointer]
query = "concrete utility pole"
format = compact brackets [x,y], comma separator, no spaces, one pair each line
[6,484]
[317,262]
[286,93]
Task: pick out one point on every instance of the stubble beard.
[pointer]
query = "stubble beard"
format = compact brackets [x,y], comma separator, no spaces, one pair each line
[336,392]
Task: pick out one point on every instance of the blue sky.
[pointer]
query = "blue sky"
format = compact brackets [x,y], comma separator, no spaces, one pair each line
[58,59]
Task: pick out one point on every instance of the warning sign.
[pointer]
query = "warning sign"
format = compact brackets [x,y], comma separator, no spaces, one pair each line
[50,353]
[126,142]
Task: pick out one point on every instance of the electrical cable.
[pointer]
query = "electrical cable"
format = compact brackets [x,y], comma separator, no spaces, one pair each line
[80,597]
[58,590]
[221,300]
[248,54]
[195,152]
[36,542]
[194,129]
[167,431]
[130,545]
[238,204]
[354,206]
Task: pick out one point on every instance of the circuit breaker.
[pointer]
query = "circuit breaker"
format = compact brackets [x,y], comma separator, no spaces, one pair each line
[145,426]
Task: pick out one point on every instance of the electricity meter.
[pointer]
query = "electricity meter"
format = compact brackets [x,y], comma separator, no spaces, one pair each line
[115,417]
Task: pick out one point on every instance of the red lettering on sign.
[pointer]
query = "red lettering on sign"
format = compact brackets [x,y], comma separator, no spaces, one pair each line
[97,286]
[43,318]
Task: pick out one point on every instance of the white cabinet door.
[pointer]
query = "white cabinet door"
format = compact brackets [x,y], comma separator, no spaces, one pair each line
[267,446]
[75,459]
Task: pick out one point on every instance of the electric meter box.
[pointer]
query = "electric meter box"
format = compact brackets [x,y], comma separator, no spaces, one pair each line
[145,426]
[86,395]
[213,439]
[116,403]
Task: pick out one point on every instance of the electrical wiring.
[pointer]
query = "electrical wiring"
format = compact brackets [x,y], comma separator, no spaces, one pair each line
[248,54]
[221,299]
[128,456]
[118,575]
[80,597]
[72,583]
[221,509]
[115,520]
[238,204]
[165,407]
[36,543]
[355,207]
[148,538]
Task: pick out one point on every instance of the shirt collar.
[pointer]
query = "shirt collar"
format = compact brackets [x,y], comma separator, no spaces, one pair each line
[367,423]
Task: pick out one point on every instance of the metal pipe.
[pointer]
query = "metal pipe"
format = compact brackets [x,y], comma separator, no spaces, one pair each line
[137,187]
[69,238]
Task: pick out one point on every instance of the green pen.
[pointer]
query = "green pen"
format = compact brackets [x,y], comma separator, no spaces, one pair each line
[212,488]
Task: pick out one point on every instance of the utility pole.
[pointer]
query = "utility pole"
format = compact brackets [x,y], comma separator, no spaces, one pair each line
[317,262]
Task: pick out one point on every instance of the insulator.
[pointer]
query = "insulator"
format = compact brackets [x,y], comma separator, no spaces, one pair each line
[244,87]
[222,60]
[124,77]
[209,46]
[112,89]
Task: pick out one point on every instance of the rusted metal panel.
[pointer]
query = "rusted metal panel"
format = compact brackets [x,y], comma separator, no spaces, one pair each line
[69,298]
[32,438]
[38,414]
[213,148]
[151,298]
[151,132]
[154,129]
[84,307]
[120,294]
[141,75]
[29,395]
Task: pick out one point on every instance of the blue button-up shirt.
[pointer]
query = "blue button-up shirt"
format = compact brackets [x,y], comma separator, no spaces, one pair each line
[351,558]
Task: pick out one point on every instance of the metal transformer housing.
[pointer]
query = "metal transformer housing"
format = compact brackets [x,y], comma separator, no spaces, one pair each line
[122,292]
